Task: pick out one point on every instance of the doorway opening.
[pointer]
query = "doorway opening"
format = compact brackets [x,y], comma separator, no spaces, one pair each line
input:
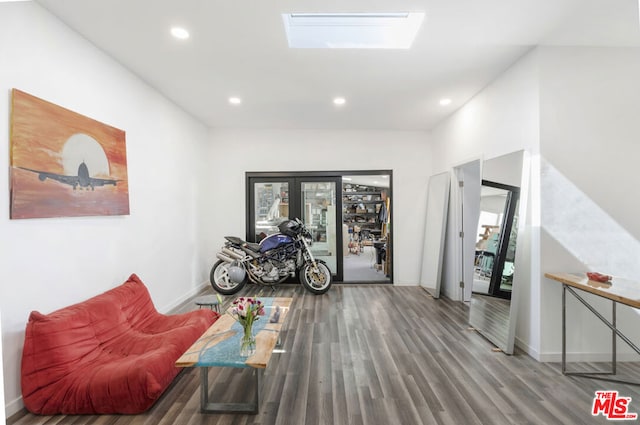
[366,227]
[348,214]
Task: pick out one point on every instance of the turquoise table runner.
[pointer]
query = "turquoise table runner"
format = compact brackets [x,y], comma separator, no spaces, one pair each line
[226,353]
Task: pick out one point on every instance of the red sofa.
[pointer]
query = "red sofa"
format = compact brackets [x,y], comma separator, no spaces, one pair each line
[113,353]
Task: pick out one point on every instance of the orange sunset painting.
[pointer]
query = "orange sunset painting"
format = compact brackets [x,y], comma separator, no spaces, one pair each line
[64,164]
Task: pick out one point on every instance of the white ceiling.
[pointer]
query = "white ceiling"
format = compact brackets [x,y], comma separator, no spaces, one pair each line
[239,48]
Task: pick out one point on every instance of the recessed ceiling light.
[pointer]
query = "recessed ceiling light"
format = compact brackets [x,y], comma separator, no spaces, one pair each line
[180,33]
[339,100]
[445,101]
[352,30]
[235,100]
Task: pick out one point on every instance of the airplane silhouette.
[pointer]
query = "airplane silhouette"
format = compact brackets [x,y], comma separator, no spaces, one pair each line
[82,179]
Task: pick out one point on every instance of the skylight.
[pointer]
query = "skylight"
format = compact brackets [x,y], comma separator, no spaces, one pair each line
[352,30]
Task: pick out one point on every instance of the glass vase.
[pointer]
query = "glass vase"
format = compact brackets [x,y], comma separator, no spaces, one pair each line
[247,342]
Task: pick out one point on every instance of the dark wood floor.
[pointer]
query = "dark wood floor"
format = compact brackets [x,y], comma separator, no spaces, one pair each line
[380,355]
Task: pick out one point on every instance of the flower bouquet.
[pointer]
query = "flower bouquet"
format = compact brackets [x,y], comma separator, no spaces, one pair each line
[246,311]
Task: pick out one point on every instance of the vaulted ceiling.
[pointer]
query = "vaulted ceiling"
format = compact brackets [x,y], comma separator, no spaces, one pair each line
[239,48]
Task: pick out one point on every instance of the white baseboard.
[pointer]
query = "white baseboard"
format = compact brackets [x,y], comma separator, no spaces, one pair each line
[13,407]
[556,357]
[588,357]
[527,349]
[176,303]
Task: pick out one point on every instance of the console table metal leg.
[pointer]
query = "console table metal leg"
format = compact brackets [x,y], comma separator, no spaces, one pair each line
[613,338]
[564,329]
[208,407]
[611,325]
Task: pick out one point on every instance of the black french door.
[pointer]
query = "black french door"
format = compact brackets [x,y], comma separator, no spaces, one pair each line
[316,199]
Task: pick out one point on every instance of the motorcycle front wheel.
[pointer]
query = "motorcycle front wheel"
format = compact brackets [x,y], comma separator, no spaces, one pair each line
[219,278]
[316,280]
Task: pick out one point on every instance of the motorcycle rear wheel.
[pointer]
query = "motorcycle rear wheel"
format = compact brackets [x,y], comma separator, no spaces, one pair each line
[219,278]
[316,280]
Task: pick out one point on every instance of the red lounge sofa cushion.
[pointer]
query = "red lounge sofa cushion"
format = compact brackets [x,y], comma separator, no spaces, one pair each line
[113,353]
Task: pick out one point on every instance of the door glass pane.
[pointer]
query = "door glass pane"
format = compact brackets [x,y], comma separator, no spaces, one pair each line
[271,207]
[319,216]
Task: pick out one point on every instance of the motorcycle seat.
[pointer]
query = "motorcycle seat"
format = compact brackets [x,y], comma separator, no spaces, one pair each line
[234,240]
[237,241]
[252,246]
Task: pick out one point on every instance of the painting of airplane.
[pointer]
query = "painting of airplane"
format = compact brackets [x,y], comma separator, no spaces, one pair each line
[82,180]
[64,164]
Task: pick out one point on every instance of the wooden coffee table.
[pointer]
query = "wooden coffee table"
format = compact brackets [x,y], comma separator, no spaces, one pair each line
[219,346]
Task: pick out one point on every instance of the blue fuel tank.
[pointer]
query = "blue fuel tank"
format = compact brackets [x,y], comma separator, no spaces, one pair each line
[274,241]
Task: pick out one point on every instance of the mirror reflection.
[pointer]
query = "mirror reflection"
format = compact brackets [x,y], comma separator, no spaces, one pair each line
[495,276]
[497,235]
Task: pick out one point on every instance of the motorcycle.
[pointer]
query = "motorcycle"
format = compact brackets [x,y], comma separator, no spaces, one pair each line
[270,262]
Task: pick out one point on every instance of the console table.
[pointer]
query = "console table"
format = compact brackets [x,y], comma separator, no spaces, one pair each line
[618,290]
[219,346]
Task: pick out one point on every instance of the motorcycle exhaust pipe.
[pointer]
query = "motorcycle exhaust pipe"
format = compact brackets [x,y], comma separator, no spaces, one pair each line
[224,258]
[232,254]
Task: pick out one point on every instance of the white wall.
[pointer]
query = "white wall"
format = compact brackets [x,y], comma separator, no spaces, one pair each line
[590,100]
[575,111]
[49,263]
[234,152]
[2,409]
[501,119]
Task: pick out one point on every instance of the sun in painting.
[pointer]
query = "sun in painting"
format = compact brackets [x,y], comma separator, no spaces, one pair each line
[81,148]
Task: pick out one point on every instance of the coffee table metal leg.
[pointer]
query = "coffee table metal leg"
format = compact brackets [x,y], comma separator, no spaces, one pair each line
[249,407]
[204,387]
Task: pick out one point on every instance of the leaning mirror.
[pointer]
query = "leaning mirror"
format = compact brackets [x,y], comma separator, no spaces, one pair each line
[434,235]
[493,307]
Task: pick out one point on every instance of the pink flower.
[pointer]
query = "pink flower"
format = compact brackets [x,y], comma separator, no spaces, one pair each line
[247,310]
